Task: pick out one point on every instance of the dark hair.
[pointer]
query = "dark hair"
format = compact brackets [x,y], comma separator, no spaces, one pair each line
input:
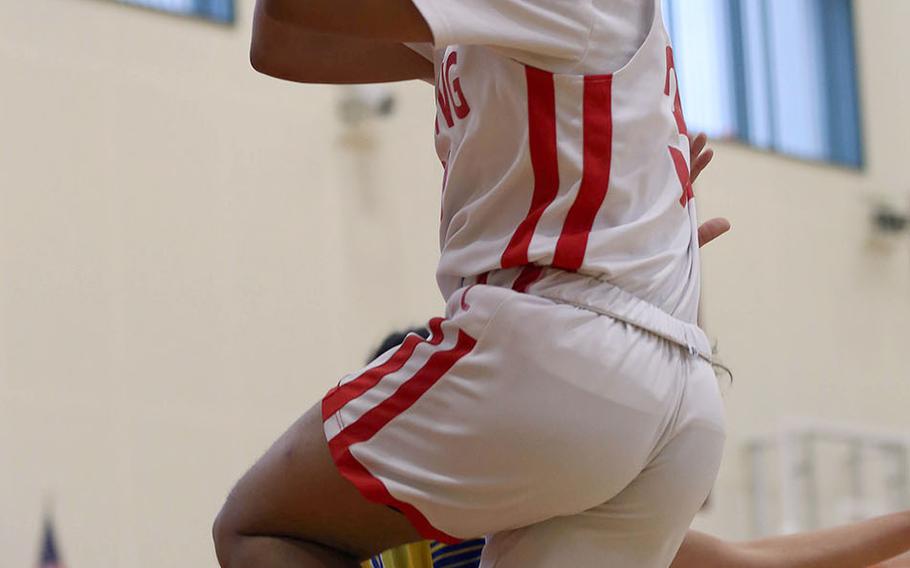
[396,338]
[718,366]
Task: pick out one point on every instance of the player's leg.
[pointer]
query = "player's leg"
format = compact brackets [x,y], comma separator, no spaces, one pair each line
[298,506]
[293,508]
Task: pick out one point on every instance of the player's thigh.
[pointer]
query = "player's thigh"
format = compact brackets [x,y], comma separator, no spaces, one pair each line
[295,491]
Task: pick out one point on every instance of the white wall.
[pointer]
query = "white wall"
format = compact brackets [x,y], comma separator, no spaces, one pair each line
[190,254]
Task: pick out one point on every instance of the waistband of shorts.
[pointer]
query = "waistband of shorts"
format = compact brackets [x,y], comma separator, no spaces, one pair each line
[596,295]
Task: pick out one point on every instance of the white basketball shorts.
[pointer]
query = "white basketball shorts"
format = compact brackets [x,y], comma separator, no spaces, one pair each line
[568,421]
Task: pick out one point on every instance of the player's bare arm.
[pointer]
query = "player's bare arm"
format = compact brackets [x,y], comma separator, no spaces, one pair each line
[857,545]
[289,51]
[390,20]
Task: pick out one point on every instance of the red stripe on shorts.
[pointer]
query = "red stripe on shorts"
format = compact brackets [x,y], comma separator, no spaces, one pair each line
[375,490]
[528,275]
[343,394]
[364,428]
[542,141]
[406,395]
[598,146]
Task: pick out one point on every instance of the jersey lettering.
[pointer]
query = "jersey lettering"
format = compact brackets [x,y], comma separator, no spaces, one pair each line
[449,94]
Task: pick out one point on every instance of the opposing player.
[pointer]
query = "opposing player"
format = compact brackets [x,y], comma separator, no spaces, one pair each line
[857,545]
[566,405]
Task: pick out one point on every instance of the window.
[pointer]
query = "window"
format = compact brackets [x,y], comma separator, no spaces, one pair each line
[217,10]
[777,74]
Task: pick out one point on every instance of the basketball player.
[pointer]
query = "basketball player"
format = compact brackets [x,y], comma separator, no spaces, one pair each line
[466,554]
[566,405]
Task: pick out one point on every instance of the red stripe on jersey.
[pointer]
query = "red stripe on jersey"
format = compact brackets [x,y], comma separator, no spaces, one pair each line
[598,148]
[682,171]
[377,417]
[528,275]
[373,489]
[542,142]
[677,100]
[343,394]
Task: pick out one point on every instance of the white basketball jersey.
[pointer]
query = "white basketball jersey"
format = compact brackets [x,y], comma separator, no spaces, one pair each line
[586,172]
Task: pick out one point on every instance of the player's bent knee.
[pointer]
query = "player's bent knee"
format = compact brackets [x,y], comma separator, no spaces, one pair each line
[221,540]
[229,530]
[224,537]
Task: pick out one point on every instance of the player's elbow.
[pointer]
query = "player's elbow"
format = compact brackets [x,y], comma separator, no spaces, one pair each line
[278,10]
[273,62]
[261,50]
[266,53]
[260,60]
[278,50]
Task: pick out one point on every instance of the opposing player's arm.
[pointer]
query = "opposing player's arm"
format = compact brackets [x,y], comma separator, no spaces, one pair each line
[856,545]
[700,550]
[287,51]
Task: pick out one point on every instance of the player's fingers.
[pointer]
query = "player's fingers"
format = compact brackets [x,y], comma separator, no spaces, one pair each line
[697,143]
[701,162]
[697,139]
[710,230]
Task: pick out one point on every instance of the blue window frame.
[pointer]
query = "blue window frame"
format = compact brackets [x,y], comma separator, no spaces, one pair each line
[221,11]
[776,74]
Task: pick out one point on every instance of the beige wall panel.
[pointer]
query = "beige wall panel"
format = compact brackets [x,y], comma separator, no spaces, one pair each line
[190,254]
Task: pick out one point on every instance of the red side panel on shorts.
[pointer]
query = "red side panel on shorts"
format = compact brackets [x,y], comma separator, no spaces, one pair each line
[377,417]
[373,489]
[343,394]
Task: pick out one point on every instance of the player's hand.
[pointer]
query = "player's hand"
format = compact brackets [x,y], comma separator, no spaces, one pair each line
[700,155]
[711,229]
